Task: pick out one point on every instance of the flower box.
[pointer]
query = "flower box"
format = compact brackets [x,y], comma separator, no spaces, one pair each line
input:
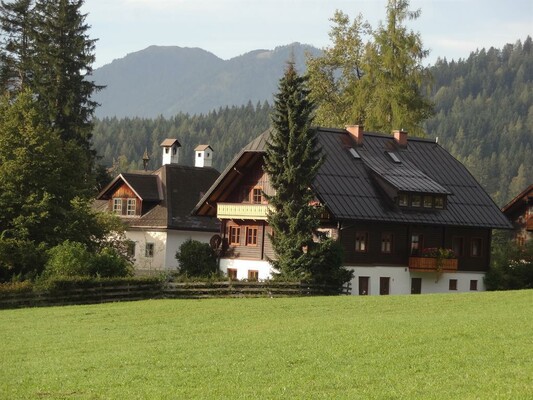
[430,264]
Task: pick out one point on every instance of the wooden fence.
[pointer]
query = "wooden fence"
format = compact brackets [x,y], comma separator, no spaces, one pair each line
[104,292]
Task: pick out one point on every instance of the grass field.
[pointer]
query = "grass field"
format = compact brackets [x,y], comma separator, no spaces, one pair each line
[454,346]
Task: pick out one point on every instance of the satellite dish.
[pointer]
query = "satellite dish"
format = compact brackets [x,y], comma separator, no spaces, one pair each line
[215,242]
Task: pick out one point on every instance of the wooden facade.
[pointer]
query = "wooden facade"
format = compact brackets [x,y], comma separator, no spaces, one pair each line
[131,205]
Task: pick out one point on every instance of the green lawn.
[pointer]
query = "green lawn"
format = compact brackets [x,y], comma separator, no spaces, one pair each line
[476,345]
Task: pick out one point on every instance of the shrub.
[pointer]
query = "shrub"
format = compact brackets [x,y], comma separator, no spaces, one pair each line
[196,259]
[511,267]
[68,259]
[109,263]
[73,259]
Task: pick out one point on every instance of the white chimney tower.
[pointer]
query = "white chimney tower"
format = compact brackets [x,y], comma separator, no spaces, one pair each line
[171,151]
[203,156]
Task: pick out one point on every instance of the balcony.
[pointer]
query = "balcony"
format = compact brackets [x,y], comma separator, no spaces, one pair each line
[428,264]
[242,211]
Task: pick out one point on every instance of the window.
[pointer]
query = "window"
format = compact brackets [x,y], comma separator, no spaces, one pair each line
[364,286]
[361,242]
[253,275]
[386,243]
[417,243]
[416,200]
[199,155]
[439,201]
[473,284]
[403,200]
[457,245]
[149,250]
[232,274]
[251,236]
[132,203]
[475,247]
[416,285]
[428,201]
[257,195]
[394,157]
[452,284]
[117,206]
[354,153]
[130,249]
[234,235]
[384,285]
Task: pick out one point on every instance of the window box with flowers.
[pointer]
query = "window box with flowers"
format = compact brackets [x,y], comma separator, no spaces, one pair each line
[434,260]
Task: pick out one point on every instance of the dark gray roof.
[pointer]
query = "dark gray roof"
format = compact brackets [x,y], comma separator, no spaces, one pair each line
[353,188]
[170,194]
[350,191]
[146,186]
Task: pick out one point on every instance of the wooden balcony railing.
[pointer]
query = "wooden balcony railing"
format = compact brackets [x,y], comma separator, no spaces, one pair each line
[242,211]
[428,264]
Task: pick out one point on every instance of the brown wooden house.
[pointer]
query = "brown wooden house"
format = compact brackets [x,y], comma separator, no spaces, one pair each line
[520,212]
[388,199]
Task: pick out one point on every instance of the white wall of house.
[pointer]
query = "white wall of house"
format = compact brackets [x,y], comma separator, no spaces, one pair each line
[243,266]
[400,280]
[144,262]
[399,277]
[165,245]
[176,238]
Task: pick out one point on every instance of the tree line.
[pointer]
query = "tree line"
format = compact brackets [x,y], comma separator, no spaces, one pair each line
[483,115]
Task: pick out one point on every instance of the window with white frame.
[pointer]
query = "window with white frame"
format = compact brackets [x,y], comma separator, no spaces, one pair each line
[131,206]
[117,206]
[149,250]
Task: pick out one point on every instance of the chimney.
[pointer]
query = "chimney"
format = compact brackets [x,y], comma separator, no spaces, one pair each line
[171,152]
[400,137]
[203,156]
[357,133]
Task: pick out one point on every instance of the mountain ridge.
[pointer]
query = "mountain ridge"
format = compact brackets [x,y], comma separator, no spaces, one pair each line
[165,80]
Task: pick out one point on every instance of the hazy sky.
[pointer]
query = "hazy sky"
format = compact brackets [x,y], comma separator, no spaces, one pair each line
[228,28]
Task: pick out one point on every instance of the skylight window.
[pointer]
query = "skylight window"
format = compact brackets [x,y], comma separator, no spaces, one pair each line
[394,157]
[354,153]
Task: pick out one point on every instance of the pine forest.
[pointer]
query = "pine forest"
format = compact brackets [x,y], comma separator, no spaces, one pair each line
[483,115]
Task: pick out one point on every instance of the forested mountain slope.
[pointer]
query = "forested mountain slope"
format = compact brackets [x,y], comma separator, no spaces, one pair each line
[483,116]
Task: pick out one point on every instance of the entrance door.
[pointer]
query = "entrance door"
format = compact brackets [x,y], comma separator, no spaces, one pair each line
[363,285]
[416,285]
[384,285]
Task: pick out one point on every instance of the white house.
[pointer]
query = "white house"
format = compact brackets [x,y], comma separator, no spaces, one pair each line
[156,207]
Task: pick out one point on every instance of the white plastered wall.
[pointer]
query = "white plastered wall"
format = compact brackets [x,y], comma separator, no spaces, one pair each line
[166,244]
[400,280]
[243,266]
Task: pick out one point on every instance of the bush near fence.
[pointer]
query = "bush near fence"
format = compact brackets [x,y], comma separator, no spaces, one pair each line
[94,290]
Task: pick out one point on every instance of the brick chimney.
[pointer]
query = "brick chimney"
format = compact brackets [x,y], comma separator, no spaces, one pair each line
[357,133]
[400,137]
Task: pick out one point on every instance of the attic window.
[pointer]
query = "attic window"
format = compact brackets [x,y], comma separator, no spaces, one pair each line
[394,157]
[354,153]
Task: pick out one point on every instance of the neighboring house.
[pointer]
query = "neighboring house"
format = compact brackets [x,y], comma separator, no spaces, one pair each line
[520,213]
[386,198]
[156,207]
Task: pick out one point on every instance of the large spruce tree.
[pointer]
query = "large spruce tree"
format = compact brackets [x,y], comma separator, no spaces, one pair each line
[46,160]
[292,161]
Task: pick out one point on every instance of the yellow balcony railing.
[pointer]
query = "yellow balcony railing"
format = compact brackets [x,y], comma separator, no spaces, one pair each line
[242,211]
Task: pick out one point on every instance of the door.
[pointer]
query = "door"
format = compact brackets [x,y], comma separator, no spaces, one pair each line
[384,285]
[363,285]
[416,285]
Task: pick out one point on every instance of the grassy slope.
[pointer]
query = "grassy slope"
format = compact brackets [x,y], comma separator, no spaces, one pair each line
[477,345]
